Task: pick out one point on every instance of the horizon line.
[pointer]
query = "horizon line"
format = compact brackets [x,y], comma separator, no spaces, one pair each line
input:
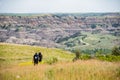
[52,12]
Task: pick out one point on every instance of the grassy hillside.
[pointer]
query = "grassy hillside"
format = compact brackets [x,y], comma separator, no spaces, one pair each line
[14,53]
[87,40]
[16,64]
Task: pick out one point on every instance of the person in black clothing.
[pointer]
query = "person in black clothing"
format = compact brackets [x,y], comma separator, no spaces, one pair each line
[40,56]
[35,58]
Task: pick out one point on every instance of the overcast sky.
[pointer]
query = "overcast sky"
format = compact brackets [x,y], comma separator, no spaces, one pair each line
[58,6]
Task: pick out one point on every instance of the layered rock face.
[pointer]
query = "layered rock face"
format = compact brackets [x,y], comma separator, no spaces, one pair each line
[47,30]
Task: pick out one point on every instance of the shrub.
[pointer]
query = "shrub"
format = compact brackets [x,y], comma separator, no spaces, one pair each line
[108,57]
[51,60]
[115,25]
[116,51]
[85,57]
[77,55]
[93,26]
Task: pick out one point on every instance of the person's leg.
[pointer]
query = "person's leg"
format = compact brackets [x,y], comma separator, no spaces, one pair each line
[35,62]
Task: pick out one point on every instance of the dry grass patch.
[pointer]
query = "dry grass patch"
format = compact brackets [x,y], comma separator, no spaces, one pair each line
[79,70]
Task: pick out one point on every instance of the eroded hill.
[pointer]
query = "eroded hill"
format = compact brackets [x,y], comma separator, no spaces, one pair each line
[61,30]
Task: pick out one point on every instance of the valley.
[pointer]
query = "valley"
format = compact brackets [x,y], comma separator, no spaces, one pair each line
[64,31]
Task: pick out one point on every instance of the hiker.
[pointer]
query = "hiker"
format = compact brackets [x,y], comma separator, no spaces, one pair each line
[40,56]
[35,58]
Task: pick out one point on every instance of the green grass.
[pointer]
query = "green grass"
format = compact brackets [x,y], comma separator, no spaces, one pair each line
[14,53]
[91,41]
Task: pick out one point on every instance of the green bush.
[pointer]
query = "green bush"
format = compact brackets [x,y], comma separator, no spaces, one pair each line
[77,54]
[108,57]
[93,26]
[85,57]
[116,51]
[51,60]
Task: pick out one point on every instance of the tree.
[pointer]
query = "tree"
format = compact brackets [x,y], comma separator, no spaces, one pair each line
[77,55]
[116,51]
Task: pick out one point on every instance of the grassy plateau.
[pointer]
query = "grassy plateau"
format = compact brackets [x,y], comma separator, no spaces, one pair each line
[16,64]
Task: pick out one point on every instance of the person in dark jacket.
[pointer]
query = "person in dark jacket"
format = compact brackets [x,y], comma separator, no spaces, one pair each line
[35,59]
[40,56]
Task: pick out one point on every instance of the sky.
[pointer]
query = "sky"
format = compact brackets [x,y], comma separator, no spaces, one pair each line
[59,6]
